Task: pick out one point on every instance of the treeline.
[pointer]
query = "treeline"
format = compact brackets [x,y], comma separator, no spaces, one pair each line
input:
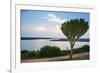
[51,51]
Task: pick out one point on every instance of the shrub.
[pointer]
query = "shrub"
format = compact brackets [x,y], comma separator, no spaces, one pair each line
[65,52]
[32,54]
[84,48]
[24,53]
[49,51]
[27,54]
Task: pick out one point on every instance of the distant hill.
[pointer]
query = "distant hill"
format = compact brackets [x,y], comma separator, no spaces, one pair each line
[53,39]
[81,40]
[33,38]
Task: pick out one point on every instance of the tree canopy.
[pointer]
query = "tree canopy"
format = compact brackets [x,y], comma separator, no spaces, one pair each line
[74,29]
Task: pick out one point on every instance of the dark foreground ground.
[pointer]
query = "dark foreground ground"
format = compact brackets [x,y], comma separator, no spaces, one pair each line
[79,56]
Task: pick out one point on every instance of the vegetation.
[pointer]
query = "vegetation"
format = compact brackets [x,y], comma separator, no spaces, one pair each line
[84,48]
[27,54]
[73,30]
[51,51]
[24,54]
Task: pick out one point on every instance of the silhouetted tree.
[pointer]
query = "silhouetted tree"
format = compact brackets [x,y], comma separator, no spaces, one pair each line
[73,30]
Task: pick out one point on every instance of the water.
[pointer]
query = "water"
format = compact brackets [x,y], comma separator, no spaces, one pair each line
[38,43]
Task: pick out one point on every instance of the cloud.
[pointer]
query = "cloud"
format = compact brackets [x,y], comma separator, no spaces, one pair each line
[43,28]
[40,29]
[54,19]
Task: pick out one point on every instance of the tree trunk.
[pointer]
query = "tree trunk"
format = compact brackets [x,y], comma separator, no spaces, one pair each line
[71,51]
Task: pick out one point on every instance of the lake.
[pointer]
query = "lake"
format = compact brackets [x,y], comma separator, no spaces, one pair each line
[36,44]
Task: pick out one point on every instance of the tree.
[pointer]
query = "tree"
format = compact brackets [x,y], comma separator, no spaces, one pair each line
[73,30]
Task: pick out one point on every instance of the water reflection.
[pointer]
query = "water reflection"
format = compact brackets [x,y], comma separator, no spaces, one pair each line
[37,44]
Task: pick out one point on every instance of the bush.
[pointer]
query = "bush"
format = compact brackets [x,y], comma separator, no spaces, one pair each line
[27,54]
[49,51]
[65,52]
[32,54]
[84,48]
[24,53]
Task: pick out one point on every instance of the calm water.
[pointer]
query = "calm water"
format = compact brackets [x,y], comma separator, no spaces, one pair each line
[37,44]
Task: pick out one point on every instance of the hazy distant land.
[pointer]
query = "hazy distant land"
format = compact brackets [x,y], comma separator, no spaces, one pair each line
[53,39]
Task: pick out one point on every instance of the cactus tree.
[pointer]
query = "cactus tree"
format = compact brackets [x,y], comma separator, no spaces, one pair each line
[73,30]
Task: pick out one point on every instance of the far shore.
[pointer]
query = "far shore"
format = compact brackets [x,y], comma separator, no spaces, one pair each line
[79,56]
[53,39]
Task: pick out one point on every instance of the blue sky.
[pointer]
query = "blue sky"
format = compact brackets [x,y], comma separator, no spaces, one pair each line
[47,23]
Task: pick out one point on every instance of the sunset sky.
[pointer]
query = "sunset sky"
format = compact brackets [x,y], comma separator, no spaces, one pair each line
[47,23]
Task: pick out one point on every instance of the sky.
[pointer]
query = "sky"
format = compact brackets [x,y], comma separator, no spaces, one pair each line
[47,23]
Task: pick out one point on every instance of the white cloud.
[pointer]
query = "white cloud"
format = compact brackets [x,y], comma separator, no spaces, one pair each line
[40,29]
[54,19]
[43,29]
